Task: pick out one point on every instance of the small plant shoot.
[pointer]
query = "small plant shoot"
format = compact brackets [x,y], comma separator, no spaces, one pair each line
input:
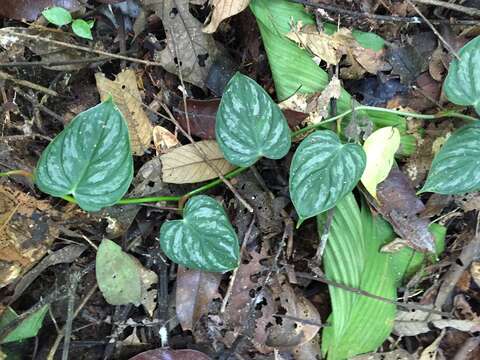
[61,17]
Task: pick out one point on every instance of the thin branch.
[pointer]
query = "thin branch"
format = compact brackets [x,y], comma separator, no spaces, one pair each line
[452,6]
[25,83]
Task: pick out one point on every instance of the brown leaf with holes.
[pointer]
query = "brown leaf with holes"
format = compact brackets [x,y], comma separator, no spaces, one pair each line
[125,94]
[31,9]
[165,354]
[202,115]
[195,290]
[26,232]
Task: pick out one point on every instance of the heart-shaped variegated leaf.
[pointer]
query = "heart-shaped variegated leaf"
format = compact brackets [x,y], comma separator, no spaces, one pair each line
[323,171]
[462,85]
[204,239]
[249,124]
[456,168]
[90,159]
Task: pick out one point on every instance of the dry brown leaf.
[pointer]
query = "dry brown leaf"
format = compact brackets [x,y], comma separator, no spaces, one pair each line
[223,9]
[164,140]
[195,290]
[436,66]
[184,165]
[26,233]
[189,50]
[126,96]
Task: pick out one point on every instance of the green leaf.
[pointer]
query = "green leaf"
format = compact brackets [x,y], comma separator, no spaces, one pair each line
[57,16]
[204,239]
[359,324]
[118,275]
[369,40]
[27,328]
[380,148]
[462,85]
[323,171]
[455,169]
[249,124]
[82,28]
[90,159]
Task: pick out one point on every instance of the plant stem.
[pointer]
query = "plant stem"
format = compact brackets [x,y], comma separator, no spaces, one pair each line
[237,171]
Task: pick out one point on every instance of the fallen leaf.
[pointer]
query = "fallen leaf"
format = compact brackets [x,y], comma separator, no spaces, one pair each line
[431,351]
[49,52]
[408,61]
[399,354]
[164,140]
[202,116]
[311,350]
[436,66]
[380,148]
[31,9]
[185,164]
[195,290]
[26,232]
[400,206]
[223,9]
[189,52]
[126,96]
[164,354]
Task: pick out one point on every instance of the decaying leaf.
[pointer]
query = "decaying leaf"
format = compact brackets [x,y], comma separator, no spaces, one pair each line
[30,10]
[165,354]
[185,164]
[400,206]
[127,97]
[190,52]
[431,352]
[164,140]
[399,354]
[202,116]
[49,52]
[195,289]
[223,9]
[316,106]
[331,48]
[26,232]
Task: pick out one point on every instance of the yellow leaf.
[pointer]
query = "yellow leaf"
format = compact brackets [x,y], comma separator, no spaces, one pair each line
[380,148]
[126,96]
[184,165]
[223,9]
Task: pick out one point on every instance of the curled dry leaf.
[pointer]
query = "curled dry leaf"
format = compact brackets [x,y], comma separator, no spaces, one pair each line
[49,52]
[164,140]
[164,354]
[127,97]
[31,9]
[189,52]
[223,9]
[195,290]
[186,165]
[26,233]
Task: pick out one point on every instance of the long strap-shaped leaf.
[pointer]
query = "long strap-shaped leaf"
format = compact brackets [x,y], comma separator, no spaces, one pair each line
[293,69]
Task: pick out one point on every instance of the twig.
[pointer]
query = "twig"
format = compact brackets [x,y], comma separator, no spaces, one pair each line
[361,292]
[245,241]
[55,63]
[74,279]
[40,106]
[452,6]
[82,48]
[25,83]
[388,18]
[435,31]
[299,320]
[323,239]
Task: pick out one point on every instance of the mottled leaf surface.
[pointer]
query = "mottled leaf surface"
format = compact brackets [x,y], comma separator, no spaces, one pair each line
[456,168]
[118,275]
[249,124]
[204,239]
[90,159]
[462,85]
[323,171]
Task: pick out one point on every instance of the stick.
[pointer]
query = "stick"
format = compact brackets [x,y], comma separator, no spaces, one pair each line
[449,5]
[25,83]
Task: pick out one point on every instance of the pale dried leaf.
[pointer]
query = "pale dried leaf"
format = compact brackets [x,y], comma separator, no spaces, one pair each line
[430,352]
[318,108]
[185,165]
[126,96]
[195,290]
[164,140]
[190,52]
[223,9]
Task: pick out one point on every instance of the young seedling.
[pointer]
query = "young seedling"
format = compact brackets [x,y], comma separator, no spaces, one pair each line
[61,17]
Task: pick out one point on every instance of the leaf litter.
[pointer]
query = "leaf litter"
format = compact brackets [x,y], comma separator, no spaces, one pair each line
[183,307]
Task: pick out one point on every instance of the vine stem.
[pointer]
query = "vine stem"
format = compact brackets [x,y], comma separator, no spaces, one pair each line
[182,199]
